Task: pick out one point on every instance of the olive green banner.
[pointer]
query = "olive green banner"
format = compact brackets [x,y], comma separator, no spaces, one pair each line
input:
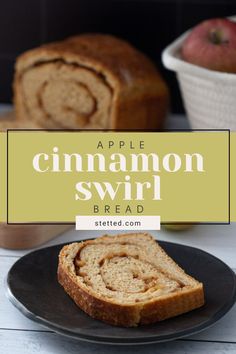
[3,177]
[54,176]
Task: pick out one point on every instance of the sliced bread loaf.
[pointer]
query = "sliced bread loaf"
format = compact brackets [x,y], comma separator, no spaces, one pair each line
[126,280]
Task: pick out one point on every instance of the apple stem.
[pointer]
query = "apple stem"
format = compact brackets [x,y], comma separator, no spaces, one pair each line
[216,37]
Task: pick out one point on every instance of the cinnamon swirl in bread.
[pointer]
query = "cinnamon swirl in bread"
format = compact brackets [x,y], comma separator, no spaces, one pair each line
[127,280]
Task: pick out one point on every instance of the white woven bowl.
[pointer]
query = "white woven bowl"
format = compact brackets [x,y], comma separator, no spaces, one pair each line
[209,96]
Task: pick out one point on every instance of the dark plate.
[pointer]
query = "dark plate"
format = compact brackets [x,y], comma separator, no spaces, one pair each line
[33,288]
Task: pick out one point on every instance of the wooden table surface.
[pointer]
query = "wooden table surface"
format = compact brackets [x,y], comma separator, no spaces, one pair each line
[20,335]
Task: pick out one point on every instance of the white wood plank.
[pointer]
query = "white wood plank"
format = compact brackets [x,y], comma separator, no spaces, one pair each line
[177,121]
[45,343]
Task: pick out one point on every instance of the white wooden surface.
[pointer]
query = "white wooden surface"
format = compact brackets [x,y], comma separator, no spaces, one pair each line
[20,335]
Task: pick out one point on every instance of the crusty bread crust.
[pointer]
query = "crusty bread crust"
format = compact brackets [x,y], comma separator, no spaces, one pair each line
[129,314]
[139,94]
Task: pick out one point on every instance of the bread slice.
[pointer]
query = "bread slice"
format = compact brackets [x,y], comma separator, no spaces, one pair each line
[127,280]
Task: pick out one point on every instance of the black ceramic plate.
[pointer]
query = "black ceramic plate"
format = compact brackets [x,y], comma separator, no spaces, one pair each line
[33,288]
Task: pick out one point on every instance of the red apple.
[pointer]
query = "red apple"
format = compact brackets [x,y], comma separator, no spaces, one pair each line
[212,45]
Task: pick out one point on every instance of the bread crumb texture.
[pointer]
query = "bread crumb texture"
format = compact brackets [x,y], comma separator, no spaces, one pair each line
[127,280]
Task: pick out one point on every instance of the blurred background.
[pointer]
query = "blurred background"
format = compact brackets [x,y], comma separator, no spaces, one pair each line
[150,25]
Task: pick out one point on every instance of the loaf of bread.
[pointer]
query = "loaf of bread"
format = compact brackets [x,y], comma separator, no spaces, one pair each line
[91,81]
[127,280]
